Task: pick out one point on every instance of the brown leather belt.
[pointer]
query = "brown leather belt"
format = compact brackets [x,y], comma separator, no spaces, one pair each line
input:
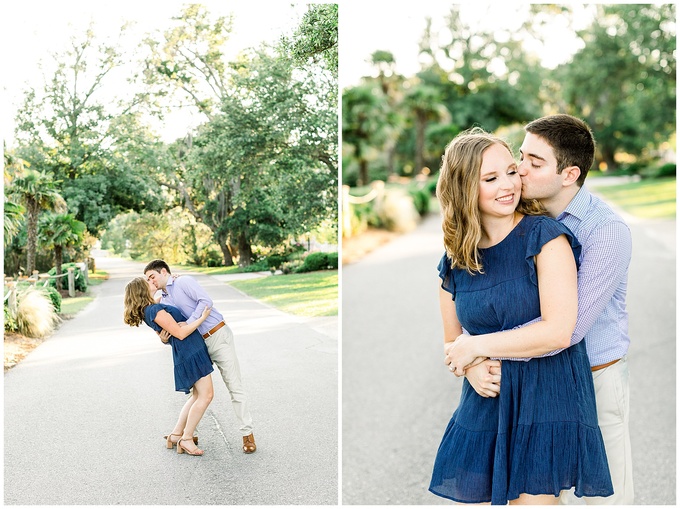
[213,330]
[602,366]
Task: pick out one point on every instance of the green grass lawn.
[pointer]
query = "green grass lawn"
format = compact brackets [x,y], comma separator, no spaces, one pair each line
[210,271]
[648,199]
[97,278]
[71,305]
[311,294]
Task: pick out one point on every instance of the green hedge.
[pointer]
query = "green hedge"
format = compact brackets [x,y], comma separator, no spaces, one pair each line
[319,261]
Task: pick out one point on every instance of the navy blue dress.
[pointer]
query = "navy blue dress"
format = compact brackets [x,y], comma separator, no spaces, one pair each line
[540,434]
[190,355]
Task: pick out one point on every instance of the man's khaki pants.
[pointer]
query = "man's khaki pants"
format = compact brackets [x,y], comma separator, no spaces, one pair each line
[223,354]
[613,409]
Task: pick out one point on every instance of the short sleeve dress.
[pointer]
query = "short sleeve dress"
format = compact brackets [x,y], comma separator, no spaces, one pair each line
[189,355]
[540,435]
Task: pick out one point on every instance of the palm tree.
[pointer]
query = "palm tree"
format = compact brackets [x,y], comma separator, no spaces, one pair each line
[59,231]
[37,192]
[392,86]
[364,121]
[425,106]
[13,215]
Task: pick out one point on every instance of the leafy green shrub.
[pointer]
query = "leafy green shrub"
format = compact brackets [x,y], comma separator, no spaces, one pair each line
[10,320]
[655,172]
[333,260]
[363,216]
[275,261]
[313,262]
[213,258]
[629,169]
[666,170]
[258,266]
[54,296]
[421,200]
[80,284]
[291,266]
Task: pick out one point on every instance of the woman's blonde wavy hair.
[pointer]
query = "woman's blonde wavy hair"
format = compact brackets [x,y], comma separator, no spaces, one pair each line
[458,195]
[137,297]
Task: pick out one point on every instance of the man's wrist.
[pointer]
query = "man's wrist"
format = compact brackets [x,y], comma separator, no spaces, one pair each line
[477,347]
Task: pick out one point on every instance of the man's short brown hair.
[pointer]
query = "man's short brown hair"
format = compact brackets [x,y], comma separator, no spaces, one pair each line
[156,265]
[571,141]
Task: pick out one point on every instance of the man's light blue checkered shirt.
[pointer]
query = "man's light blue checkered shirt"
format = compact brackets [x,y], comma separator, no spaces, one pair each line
[602,276]
[606,247]
[185,293]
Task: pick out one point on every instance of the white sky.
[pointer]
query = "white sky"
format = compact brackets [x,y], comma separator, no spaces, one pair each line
[30,30]
[367,26]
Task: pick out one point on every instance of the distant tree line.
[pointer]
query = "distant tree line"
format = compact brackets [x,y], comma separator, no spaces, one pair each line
[622,82]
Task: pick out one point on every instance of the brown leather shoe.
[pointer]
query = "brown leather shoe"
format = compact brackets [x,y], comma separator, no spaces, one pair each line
[249,446]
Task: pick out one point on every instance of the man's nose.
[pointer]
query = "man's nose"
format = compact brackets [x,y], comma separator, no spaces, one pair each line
[522,168]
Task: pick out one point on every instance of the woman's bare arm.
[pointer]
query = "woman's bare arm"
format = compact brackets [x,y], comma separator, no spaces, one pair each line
[165,320]
[557,285]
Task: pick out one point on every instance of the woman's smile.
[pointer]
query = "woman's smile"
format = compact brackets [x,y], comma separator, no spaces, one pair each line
[507,199]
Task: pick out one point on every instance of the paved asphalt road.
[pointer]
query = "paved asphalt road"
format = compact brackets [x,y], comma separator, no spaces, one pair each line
[398,396]
[86,411]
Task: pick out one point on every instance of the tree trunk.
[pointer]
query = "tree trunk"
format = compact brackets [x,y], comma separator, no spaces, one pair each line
[245,252]
[363,172]
[420,145]
[608,158]
[31,235]
[57,264]
[226,253]
[391,153]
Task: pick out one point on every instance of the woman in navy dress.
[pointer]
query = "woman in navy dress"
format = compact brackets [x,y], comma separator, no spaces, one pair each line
[189,354]
[506,265]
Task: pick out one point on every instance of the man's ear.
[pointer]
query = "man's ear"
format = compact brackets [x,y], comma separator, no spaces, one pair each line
[570,175]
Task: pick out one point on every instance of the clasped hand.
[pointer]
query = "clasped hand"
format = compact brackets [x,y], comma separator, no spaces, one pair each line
[483,374]
[460,355]
[164,335]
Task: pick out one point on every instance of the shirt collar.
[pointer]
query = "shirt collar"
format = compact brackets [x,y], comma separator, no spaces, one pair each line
[578,206]
[169,282]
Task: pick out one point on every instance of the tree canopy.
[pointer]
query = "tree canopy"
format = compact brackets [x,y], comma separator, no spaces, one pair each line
[622,82]
[259,170]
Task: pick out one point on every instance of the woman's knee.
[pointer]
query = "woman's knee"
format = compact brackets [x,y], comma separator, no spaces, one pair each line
[209,394]
[204,390]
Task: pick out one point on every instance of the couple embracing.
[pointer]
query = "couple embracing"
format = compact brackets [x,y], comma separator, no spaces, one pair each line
[184,317]
[532,297]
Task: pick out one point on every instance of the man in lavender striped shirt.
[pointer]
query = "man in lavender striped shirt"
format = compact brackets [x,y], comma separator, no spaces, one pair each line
[557,152]
[186,294]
